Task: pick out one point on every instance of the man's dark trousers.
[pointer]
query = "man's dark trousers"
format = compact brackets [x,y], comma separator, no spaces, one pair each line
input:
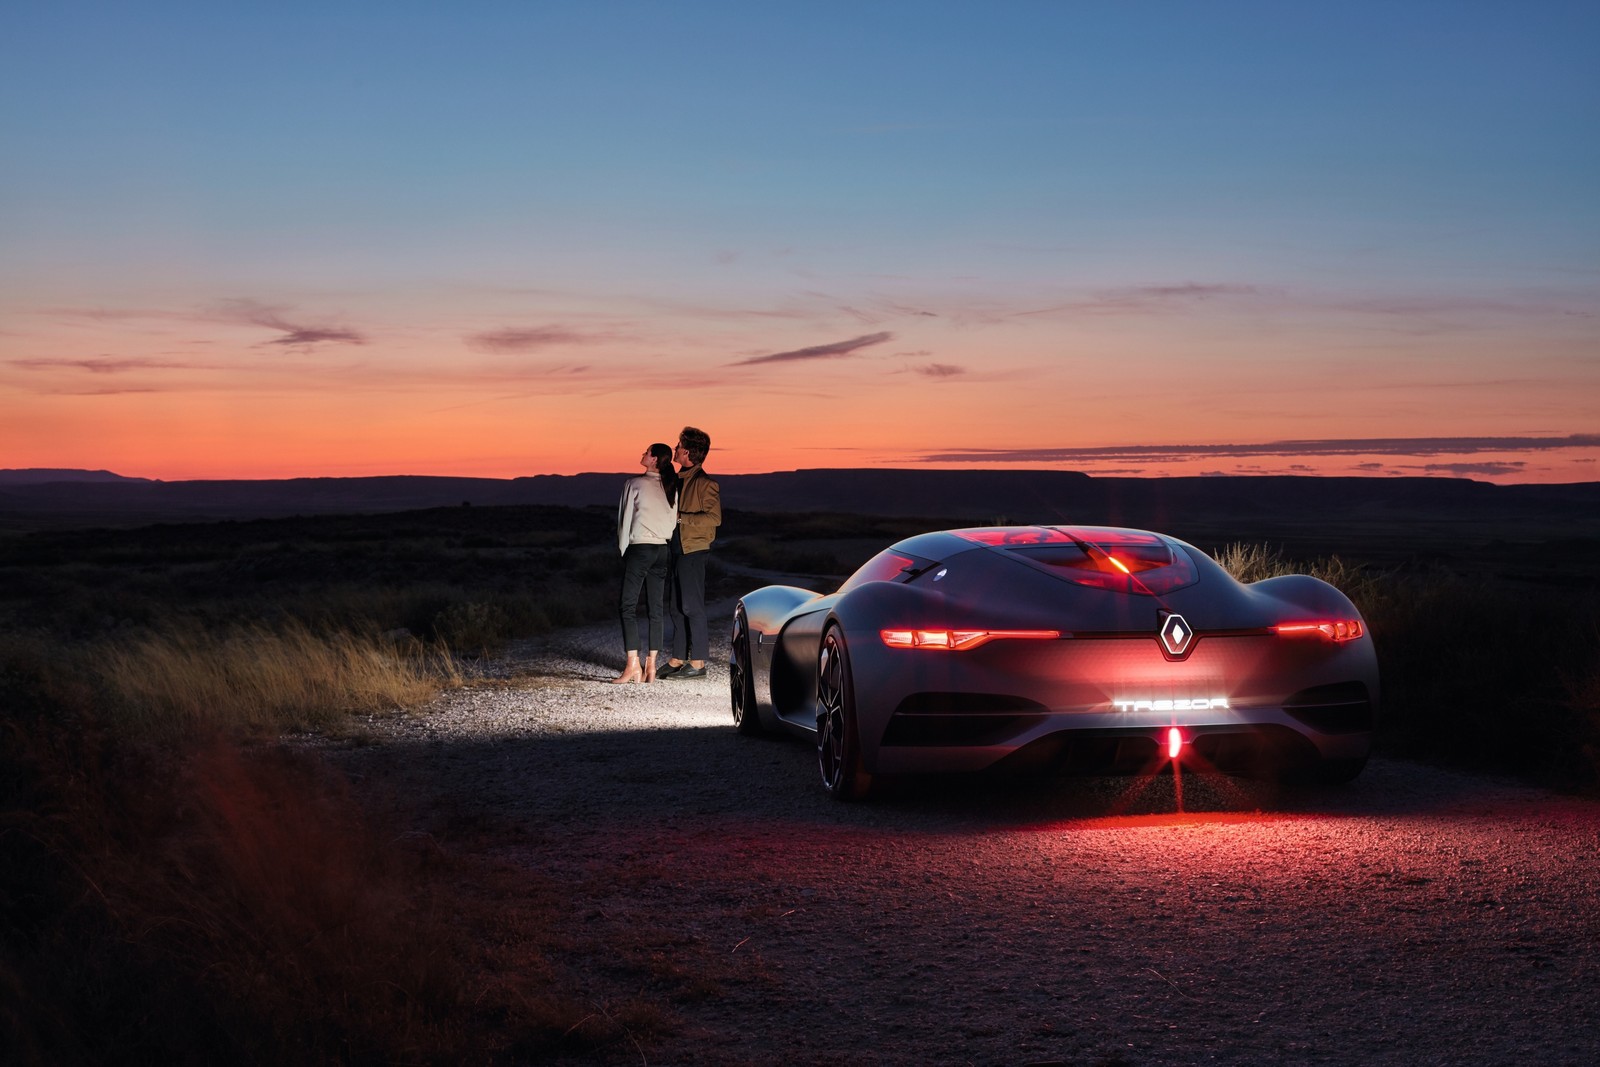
[689,636]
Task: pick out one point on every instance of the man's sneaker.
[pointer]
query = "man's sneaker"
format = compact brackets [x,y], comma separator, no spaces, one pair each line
[685,671]
[667,670]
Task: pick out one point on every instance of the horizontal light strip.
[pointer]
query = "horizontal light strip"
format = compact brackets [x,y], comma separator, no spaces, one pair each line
[959,640]
[1335,630]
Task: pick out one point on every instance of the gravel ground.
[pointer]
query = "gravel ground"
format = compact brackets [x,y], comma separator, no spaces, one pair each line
[1415,916]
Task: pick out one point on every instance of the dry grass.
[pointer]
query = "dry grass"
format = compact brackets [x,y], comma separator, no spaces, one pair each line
[251,679]
[218,905]
[1255,562]
[174,890]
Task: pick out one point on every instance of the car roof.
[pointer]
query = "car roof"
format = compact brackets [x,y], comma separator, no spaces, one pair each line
[944,543]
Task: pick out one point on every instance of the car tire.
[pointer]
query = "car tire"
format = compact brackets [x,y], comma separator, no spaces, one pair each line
[741,679]
[838,734]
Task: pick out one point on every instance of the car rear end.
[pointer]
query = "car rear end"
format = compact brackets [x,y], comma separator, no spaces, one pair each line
[1116,651]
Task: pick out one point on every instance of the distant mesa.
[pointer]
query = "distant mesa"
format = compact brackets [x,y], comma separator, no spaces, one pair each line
[1285,503]
[46,475]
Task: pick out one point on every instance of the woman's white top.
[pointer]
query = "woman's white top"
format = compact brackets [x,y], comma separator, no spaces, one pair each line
[643,516]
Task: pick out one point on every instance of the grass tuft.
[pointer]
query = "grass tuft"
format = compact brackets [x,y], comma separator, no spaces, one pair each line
[249,679]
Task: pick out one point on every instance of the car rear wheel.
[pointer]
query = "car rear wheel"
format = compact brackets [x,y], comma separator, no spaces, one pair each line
[838,736]
[741,680]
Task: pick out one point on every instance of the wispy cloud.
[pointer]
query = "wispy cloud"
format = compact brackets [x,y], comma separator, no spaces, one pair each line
[879,309]
[939,370]
[527,339]
[1143,299]
[310,335]
[1422,307]
[1472,468]
[1185,291]
[295,334]
[125,314]
[1377,446]
[109,391]
[107,365]
[835,350]
[1410,313]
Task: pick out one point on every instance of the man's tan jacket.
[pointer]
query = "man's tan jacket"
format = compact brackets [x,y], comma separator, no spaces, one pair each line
[699,509]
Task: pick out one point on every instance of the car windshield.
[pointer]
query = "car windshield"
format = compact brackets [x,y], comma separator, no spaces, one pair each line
[1126,562]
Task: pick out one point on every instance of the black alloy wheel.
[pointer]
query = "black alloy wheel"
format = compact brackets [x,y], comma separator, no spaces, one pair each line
[741,679]
[838,736]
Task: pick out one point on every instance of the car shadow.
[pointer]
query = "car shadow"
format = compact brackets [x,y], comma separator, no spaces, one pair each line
[709,771]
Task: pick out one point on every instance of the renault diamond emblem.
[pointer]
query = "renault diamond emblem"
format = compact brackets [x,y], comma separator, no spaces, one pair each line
[1176,636]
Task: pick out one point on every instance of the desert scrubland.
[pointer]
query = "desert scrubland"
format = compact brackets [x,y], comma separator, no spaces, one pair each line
[251,813]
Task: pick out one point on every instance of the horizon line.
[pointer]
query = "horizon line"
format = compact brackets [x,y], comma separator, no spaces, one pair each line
[110,477]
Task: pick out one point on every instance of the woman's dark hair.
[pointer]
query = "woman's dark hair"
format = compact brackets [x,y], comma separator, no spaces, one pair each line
[669,474]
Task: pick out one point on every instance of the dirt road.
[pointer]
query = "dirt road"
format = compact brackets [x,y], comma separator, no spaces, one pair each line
[1415,916]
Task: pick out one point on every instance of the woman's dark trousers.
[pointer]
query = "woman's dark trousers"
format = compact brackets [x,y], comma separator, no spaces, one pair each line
[643,566]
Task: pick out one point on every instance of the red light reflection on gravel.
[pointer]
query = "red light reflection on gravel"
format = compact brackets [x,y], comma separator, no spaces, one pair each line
[1148,792]
[1175,746]
[1175,818]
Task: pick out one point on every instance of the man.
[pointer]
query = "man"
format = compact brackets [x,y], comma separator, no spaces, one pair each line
[699,515]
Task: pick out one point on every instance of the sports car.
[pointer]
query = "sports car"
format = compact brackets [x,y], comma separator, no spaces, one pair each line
[1091,649]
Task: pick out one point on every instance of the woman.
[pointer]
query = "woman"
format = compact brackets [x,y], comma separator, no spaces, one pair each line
[646,517]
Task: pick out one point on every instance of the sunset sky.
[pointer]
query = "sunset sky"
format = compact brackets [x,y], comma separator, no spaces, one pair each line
[348,238]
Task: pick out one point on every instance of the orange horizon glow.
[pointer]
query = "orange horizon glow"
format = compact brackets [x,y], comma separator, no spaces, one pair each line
[328,409]
[1578,470]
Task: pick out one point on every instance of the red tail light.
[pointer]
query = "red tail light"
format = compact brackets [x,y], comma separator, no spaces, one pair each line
[1335,630]
[1174,742]
[958,640]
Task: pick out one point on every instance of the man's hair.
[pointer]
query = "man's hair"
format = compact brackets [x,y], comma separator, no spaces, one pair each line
[697,442]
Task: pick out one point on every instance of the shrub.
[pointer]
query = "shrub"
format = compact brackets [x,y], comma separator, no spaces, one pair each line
[474,629]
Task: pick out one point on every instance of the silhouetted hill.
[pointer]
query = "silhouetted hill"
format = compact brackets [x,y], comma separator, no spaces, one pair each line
[1265,505]
[43,475]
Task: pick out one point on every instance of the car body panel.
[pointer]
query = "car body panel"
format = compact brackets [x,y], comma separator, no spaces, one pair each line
[1104,682]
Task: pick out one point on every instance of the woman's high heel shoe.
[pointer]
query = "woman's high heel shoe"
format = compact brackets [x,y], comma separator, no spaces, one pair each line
[631,673]
[650,668]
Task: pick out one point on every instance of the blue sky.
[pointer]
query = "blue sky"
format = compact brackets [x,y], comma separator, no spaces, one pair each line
[1217,197]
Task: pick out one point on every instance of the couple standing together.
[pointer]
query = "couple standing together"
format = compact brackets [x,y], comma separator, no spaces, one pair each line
[666,522]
